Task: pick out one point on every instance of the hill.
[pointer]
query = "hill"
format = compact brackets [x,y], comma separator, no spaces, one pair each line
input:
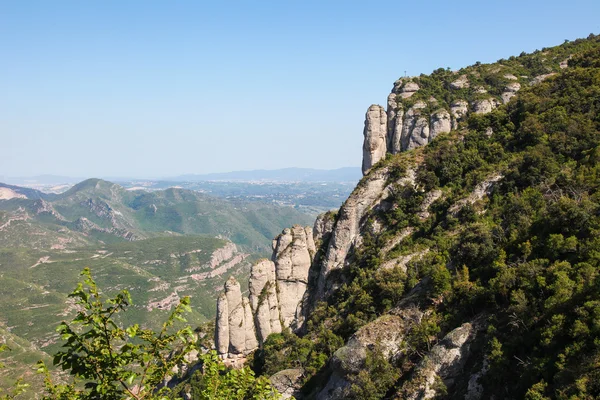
[160,245]
[97,211]
[347,174]
[465,263]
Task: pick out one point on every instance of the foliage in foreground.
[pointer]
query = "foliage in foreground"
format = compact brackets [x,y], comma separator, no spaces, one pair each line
[107,361]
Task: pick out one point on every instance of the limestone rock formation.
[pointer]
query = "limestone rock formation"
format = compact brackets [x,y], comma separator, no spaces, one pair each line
[293,254]
[237,328]
[375,137]
[347,227]
[323,228]
[484,106]
[444,361]
[510,91]
[415,128]
[277,288]
[385,334]
[440,123]
[408,89]
[222,325]
[287,382]
[461,83]
[458,109]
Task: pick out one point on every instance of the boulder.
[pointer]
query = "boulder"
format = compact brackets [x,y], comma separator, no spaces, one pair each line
[444,362]
[408,89]
[287,382]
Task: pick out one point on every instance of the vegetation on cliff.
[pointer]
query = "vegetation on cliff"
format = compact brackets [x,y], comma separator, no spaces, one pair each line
[511,240]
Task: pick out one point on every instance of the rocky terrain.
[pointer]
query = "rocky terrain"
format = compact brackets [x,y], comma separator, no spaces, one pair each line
[446,273]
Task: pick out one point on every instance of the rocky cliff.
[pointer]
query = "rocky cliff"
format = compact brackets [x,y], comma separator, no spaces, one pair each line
[449,262]
[276,291]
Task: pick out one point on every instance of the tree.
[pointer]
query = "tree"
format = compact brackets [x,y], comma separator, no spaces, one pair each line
[107,361]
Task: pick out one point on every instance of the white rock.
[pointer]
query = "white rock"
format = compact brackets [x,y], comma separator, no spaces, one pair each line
[222,326]
[375,137]
[237,331]
[484,106]
[408,89]
[461,83]
[440,123]
[459,110]
[510,91]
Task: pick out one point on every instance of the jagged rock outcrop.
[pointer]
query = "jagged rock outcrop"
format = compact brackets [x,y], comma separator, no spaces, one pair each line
[236,320]
[415,128]
[323,228]
[234,331]
[461,83]
[347,227]
[222,325]
[277,288]
[385,334]
[458,109]
[444,363]
[440,123]
[484,106]
[293,253]
[408,89]
[287,382]
[375,137]
[510,91]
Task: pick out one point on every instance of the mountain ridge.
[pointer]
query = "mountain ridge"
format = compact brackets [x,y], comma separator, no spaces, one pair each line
[455,255]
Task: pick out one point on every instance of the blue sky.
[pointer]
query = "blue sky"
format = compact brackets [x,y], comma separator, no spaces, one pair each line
[154,88]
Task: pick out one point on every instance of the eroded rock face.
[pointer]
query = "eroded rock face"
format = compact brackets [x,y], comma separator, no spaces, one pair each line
[415,128]
[408,89]
[484,106]
[347,227]
[293,256]
[222,325]
[444,361]
[510,91]
[237,328]
[375,137]
[461,83]
[277,288]
[440,123]
[287,382]
[323,227]
[385,334]
[459,110]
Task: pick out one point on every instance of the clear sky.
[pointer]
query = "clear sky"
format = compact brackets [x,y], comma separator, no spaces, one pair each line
[154,88]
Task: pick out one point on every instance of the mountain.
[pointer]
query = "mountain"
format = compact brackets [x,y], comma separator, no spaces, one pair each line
[8,192]
[96,211]
[465,262]
[347,174]
[159,245]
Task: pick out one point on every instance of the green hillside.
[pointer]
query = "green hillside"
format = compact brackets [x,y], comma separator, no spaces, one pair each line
[160,245]
[499,234]
[96,212]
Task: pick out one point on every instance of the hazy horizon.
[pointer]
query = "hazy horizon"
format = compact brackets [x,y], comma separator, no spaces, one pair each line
[154,89]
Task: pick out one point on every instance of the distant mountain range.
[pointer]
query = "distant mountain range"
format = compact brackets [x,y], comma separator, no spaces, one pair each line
[346,174]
